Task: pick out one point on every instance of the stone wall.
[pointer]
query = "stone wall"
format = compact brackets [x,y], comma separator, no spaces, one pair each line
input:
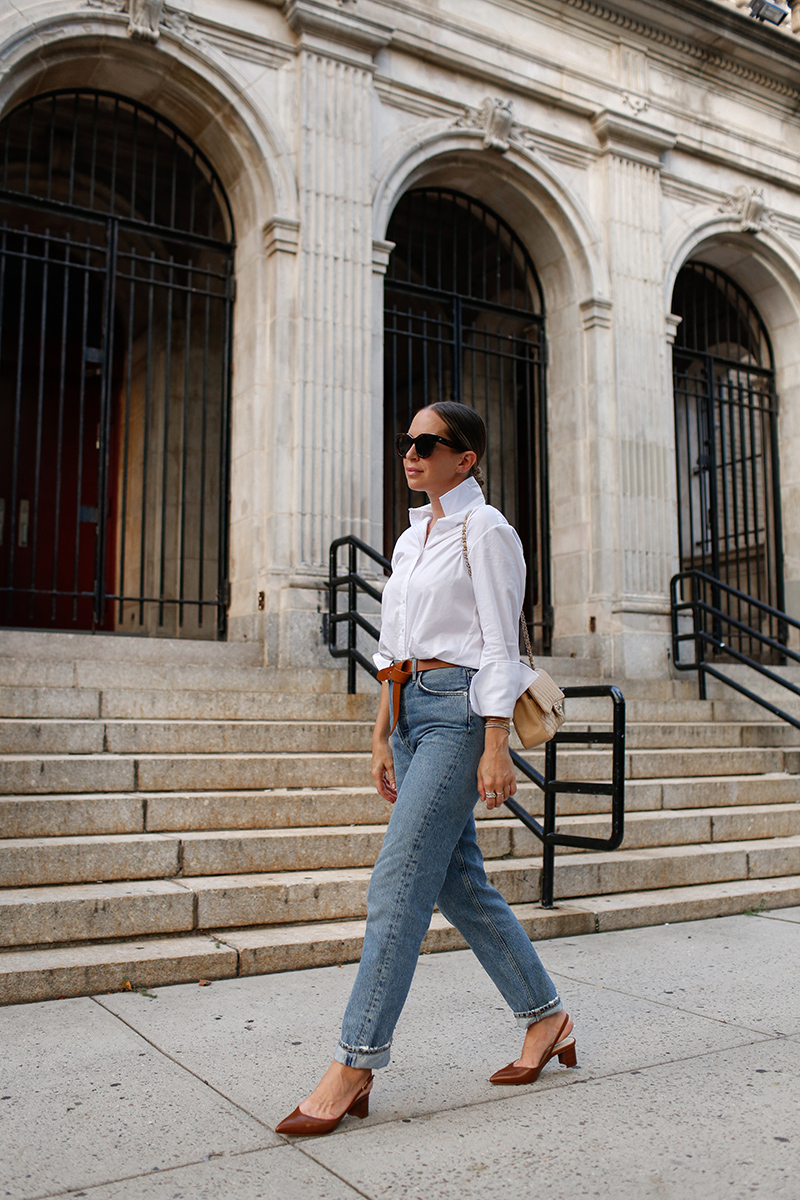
[617,144]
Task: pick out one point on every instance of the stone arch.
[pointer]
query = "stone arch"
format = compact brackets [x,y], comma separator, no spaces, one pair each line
[767,267]
[568,253]
[187,81]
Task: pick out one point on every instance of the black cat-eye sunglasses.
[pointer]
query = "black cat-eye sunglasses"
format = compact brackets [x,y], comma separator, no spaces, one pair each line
[425,444]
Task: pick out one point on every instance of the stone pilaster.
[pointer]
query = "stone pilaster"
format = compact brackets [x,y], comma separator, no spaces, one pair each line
[336,409]
[632,167]
[644,414]
[330,489]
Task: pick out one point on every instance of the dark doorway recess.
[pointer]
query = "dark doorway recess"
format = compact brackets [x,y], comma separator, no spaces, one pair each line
[726,435]
[116,296]
[464,320]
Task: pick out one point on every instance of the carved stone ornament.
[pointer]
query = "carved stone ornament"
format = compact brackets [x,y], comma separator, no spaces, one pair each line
[747,204]
[637,104]
[116,6]
[145,18]
[495,118]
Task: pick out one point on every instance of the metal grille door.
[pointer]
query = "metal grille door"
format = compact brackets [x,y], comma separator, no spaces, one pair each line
[726,413]
[116,253]
[464,320]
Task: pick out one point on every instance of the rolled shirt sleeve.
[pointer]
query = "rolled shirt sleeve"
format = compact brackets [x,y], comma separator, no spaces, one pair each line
[498,578]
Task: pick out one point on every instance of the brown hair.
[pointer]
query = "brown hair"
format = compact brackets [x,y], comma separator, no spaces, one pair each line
[465,427]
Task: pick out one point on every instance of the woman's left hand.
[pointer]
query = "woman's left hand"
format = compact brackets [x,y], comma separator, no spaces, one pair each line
[496,770]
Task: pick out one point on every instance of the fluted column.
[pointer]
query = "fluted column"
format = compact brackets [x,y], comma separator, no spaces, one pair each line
[335,406]
[645,435]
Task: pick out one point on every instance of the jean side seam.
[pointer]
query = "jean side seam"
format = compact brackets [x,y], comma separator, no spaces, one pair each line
[489,923]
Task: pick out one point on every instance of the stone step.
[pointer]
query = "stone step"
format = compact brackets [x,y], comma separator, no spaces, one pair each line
[88,970]
[32,774]
[274,948]
[330,894]
[34,861]
[37,862]
[131,704]
[68,815]
[147,962]
[184,737]
[121,672]
[203,676]
[114,647]
[54,736]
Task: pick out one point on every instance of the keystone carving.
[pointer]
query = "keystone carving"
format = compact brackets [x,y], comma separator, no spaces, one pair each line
[147,19]
[144,19]
[495,118]
[748,206]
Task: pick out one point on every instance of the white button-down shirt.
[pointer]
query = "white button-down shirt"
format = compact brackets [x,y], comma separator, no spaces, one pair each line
[432,608]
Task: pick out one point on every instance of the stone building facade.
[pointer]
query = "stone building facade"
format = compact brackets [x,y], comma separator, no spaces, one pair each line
[617,142]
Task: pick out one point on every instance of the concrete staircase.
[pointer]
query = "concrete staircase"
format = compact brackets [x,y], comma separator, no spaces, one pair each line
[172,811]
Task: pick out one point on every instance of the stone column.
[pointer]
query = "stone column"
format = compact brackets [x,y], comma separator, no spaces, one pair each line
[645,436]
[335,411]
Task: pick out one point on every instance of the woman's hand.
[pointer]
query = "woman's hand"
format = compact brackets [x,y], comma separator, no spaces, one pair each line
[496,770]
[383,768]
[382,759]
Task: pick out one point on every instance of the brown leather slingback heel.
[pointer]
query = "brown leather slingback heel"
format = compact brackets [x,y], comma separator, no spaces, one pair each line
[563,1050]
[298,1124]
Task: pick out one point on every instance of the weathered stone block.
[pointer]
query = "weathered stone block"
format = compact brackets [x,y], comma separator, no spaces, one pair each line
[93,911]
[109,967]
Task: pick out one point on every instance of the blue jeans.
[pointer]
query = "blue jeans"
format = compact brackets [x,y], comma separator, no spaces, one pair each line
[430,856]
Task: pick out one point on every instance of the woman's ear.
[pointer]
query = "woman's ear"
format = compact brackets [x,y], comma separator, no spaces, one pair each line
[467,462]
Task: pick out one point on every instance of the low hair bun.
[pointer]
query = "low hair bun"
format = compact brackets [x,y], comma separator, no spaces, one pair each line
[466,428]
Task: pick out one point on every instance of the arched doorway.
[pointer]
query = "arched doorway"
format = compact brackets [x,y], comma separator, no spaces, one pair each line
[726,424]
[116,256]
[464,320]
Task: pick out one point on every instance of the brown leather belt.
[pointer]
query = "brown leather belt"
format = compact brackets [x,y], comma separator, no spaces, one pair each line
[400,672]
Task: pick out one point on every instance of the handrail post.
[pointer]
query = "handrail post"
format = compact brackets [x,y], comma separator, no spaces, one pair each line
[549,823]
[699,640]
[618,767]
[352,605]
[332,597]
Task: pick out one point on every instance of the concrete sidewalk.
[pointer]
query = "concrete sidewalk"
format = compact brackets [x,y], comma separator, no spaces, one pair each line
[689,1085]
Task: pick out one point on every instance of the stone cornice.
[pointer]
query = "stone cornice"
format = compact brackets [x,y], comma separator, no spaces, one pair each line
[749,50]
[345,27]
[281,234]
[629,137]
[760,41]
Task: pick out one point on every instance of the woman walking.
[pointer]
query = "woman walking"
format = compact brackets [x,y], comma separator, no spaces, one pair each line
[451,671]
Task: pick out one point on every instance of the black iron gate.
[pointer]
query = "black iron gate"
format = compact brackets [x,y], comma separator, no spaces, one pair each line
[464,320]
[116,255]
[726,425]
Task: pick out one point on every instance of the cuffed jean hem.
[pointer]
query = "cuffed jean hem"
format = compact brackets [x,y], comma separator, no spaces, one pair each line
[547,1010]
[362,1056]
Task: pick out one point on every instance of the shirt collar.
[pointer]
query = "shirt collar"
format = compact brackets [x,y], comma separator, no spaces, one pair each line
[465,495]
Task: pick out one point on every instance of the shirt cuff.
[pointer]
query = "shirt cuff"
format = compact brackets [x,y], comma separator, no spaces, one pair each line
[497,686]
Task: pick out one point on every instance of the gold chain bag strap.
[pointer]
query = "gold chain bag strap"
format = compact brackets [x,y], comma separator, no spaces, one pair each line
[539,712]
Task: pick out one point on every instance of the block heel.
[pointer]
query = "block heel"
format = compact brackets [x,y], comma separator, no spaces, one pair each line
[560,1047]
[567,1057]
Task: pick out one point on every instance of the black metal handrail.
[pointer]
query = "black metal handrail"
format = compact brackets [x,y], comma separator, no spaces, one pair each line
[700,609]
[355,621]
[549,782]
